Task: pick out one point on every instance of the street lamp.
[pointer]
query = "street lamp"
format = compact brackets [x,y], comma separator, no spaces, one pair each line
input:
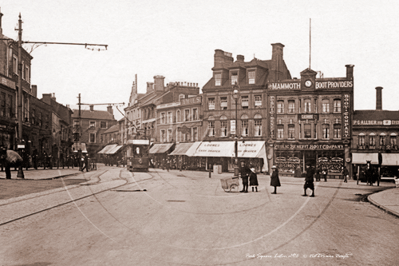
[235,96]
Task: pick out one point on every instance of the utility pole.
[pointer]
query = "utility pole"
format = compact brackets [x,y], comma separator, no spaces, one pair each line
[80,142]
[20,142]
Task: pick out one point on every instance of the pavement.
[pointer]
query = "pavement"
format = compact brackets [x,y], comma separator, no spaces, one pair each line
[387,199]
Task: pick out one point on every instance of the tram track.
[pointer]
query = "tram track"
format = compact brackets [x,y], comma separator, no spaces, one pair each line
[72,200]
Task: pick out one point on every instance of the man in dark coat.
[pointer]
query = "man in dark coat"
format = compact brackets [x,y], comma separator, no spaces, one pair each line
[244,173]
[309,180]
[274,179]
[345,173]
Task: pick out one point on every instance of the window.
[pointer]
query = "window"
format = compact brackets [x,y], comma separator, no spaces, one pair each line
[162,118]
[15,64]
[325,106]
[170,118]
[308,106]
[218,79]
[258,127]
[2,104]
[326,131]
[178,116]
[23,70]
[337,106]
[33,120]
[9,106]
[223,103]
[291,131]
[26,109]
[40,122]
[280,107]
[280,132]
[211,128]
[163,135]
[382,140]
[244,125]
[103,124]
[223,128]
[244,102]
[195,114]
[234,77]
[372,140]
[251,77]
[182,96]
[92,124]
[337,131]
[195,134]
[393,141]
[211,103]
[361,140]
[92,138]
[307,131]
[169,136]
[258,101]
[187,115]
[291,106]
[178,134]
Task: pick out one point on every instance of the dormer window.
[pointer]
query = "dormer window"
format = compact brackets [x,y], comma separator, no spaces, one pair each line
[218,79]
[234,77]
[251,77]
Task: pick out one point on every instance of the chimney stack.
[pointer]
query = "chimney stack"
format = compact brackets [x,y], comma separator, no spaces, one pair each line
[240,58]
[222,59]
[34,91]
[91,108]
[159,83]
[349,71]
[109,109]
[1,27]
[277,51]
[378,98]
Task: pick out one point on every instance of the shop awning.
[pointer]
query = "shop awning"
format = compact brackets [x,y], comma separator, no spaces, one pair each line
[362,158]
[193,148]
[253,149]
[160,148]
[115,150]
[215,149]
[181,148]
[107,148]
[390,159]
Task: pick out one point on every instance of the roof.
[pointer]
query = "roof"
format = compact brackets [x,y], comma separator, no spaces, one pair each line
[114,128]
[96,114]
[375,115]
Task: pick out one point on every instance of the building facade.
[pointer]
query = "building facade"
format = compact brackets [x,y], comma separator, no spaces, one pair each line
[310,122]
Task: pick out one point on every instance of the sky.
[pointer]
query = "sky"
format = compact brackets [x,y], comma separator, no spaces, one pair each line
[177,39]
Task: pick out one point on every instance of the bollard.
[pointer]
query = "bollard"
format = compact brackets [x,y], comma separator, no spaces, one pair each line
[210,172]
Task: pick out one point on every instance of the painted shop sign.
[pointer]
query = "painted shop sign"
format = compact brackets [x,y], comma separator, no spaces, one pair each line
[319,85]
[346,133]
[192,100]
[7,82]
[309,147]
[375,122]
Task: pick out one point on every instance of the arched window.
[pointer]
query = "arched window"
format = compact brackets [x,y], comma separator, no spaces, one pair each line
[223,126]
[178,115]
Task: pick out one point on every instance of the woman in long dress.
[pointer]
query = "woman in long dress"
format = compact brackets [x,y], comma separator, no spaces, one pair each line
[274,180]
[253,179]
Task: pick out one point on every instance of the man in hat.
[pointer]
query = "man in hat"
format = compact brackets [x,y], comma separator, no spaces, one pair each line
[244,172]
[309,180]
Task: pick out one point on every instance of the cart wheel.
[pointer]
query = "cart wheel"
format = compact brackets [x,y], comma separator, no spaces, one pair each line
[234,187]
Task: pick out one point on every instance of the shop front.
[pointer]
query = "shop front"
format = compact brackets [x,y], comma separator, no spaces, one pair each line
[389,165]
[159,154]
[223,153]
[359,164]
[181,157]
[291,158]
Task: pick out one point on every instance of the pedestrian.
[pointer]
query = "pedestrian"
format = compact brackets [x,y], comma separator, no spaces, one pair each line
[317,173]
[345,173]
[324,173]
[85,160]
[244,172]
[309,180]
[369,174]
[274,179]
[253,179]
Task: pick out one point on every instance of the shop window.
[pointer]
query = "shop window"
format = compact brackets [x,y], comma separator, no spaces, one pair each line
[291,106]
[307,131]
[326,131]
[244,125]
[244,102]
[325,106]
[211,103]
[361,140]
[291,131]
[251,77]
[337,131]
[280,132]
[223,103]
[211,128]
[280,107]
[337,106]
[218,79]
[258,101]
[223,128]
[258,127]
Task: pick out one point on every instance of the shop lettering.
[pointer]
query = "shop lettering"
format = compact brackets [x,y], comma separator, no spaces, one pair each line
[375,122]
[334,84]
[285,86]
[192,100]
[346,133]
[309,147]
[211,145]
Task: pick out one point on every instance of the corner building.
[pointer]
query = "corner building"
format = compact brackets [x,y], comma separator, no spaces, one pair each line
[241,116]
[310,122]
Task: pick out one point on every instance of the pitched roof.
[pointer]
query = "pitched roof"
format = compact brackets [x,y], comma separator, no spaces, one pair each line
[96,114]
[114,128]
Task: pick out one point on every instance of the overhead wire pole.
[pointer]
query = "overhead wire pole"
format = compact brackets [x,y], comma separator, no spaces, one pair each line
[20,90]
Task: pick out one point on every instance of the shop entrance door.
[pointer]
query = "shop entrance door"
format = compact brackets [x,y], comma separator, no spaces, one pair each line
[310,158]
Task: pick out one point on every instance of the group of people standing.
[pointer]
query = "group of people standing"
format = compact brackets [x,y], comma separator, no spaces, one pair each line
[248,173]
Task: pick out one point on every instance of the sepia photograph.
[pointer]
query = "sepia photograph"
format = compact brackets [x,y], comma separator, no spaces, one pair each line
[199,133]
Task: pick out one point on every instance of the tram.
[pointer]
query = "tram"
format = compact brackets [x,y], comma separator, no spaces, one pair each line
[137,155]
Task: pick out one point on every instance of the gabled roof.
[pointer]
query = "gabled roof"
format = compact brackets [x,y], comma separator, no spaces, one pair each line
[114,128]
[96,114]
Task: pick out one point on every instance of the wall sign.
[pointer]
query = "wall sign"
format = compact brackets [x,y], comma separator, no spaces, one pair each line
[309,147]
[346,134]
